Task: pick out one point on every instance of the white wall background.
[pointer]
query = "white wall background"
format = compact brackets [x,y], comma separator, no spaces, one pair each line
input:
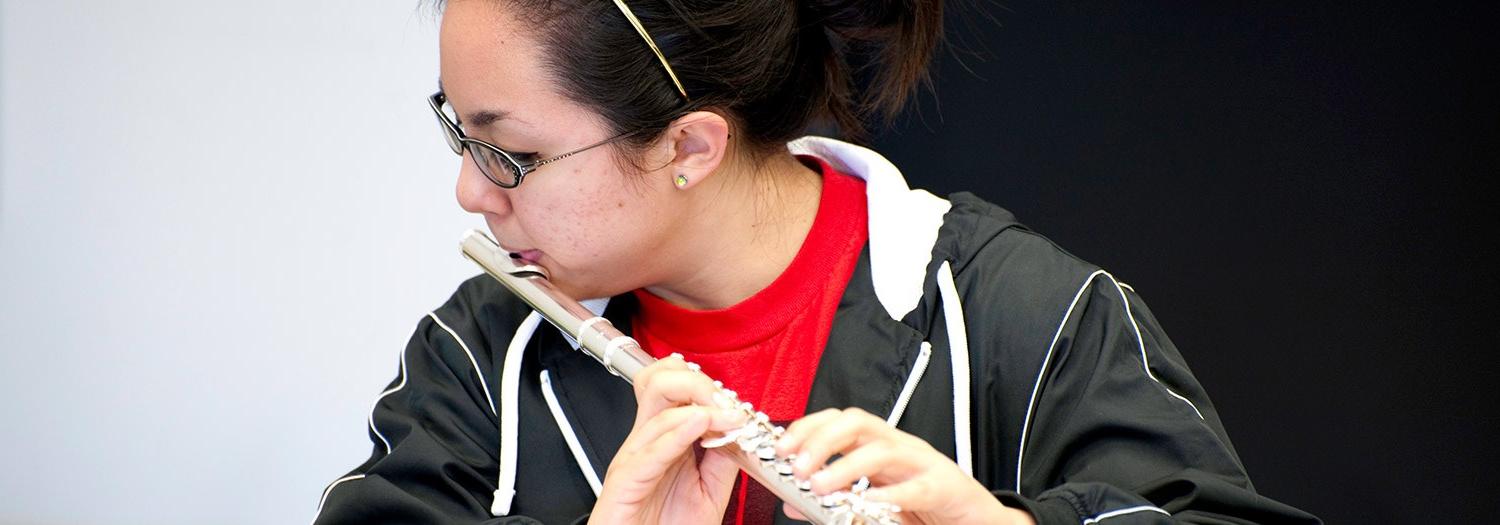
[219,223]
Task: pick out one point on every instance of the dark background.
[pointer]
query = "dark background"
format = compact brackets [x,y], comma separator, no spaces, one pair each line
[1296,190]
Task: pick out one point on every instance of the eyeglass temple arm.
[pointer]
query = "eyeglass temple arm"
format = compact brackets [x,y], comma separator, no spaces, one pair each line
[538,163]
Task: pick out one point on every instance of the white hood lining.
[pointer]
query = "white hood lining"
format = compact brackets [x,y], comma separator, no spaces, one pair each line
[900,243]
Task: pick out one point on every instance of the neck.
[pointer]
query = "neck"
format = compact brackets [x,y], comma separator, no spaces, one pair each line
[744,226]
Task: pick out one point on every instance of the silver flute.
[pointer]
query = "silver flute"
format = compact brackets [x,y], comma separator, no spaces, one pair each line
[754,444]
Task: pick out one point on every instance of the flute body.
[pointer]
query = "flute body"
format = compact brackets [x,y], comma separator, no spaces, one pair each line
[752,446]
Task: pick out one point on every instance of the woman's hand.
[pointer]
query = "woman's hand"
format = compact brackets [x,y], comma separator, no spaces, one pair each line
[657,476]
[929,487]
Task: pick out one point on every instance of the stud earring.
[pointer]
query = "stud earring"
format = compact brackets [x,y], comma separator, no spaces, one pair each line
[680,180]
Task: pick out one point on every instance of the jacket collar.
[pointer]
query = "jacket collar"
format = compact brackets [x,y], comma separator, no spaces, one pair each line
[900,243]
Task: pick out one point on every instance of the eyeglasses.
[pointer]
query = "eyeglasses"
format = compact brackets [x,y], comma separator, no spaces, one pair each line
[502,167]
[499,166]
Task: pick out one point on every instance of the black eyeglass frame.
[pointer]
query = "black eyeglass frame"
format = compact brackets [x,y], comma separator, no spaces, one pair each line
[457,141]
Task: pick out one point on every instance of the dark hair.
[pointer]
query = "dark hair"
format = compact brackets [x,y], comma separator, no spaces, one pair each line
[773,68]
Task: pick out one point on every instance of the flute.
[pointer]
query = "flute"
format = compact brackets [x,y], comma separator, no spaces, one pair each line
[754,443]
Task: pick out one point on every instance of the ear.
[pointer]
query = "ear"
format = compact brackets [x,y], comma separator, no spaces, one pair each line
[700,143]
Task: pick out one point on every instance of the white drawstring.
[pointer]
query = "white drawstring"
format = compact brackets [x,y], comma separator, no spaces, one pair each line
[510,390]
[958,343]
[510,393]
[569,436]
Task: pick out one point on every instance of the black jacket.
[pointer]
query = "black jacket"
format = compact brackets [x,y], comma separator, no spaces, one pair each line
[1071,402]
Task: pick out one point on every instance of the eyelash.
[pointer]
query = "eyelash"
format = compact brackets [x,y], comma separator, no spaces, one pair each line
[520,157]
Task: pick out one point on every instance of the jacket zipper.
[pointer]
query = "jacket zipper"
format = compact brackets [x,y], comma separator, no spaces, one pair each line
[907,389]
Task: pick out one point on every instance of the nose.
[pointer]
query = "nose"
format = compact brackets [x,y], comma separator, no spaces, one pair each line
[475,192]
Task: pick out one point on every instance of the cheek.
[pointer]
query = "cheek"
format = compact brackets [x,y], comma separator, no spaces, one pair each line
[592,221]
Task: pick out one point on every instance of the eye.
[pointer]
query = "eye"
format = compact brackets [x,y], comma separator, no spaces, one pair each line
[523,157]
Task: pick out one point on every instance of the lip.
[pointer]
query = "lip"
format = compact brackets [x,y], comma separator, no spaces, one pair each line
[529,256]
[512,249]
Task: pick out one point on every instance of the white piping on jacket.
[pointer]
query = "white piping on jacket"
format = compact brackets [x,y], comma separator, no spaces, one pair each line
[917,369]
[958,344]
[1141,342]
[329,490]
[472,361]
[1042,372]
[510,388]
[1122,512]
[401,372]
[569,435]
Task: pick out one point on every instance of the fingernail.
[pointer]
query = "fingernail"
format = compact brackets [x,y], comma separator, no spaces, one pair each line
[803,463]
[818,480]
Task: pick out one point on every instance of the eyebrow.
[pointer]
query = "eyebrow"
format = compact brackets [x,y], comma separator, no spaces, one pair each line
[481,118]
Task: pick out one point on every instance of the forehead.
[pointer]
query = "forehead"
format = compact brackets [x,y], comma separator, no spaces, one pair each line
[491,61]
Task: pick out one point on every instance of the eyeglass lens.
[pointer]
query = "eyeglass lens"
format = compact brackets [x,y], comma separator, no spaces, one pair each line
[500,170]
[495,165]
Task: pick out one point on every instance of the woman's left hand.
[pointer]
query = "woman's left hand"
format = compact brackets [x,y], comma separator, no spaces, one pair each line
[929,487]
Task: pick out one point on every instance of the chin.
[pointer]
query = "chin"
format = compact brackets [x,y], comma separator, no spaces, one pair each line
[591,283]
[583,291]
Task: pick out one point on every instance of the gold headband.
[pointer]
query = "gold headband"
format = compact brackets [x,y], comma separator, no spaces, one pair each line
[642,30]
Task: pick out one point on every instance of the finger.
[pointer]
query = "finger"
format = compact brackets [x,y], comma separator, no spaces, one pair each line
[669,419]
[851,428]
[648,431]
[799,429]
[669,363]
[883,461]
[918,494]
[667,388]
[662,441]
[678,440]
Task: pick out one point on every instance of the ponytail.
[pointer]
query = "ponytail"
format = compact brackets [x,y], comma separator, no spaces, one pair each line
[888,44]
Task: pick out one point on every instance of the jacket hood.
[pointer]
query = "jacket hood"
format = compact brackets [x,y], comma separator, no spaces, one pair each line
[900,244]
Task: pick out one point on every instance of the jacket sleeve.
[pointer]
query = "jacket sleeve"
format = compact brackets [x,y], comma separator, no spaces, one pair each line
[435,435]
[1123,433]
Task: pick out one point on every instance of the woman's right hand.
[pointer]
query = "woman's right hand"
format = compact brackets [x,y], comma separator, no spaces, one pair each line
[657,476]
